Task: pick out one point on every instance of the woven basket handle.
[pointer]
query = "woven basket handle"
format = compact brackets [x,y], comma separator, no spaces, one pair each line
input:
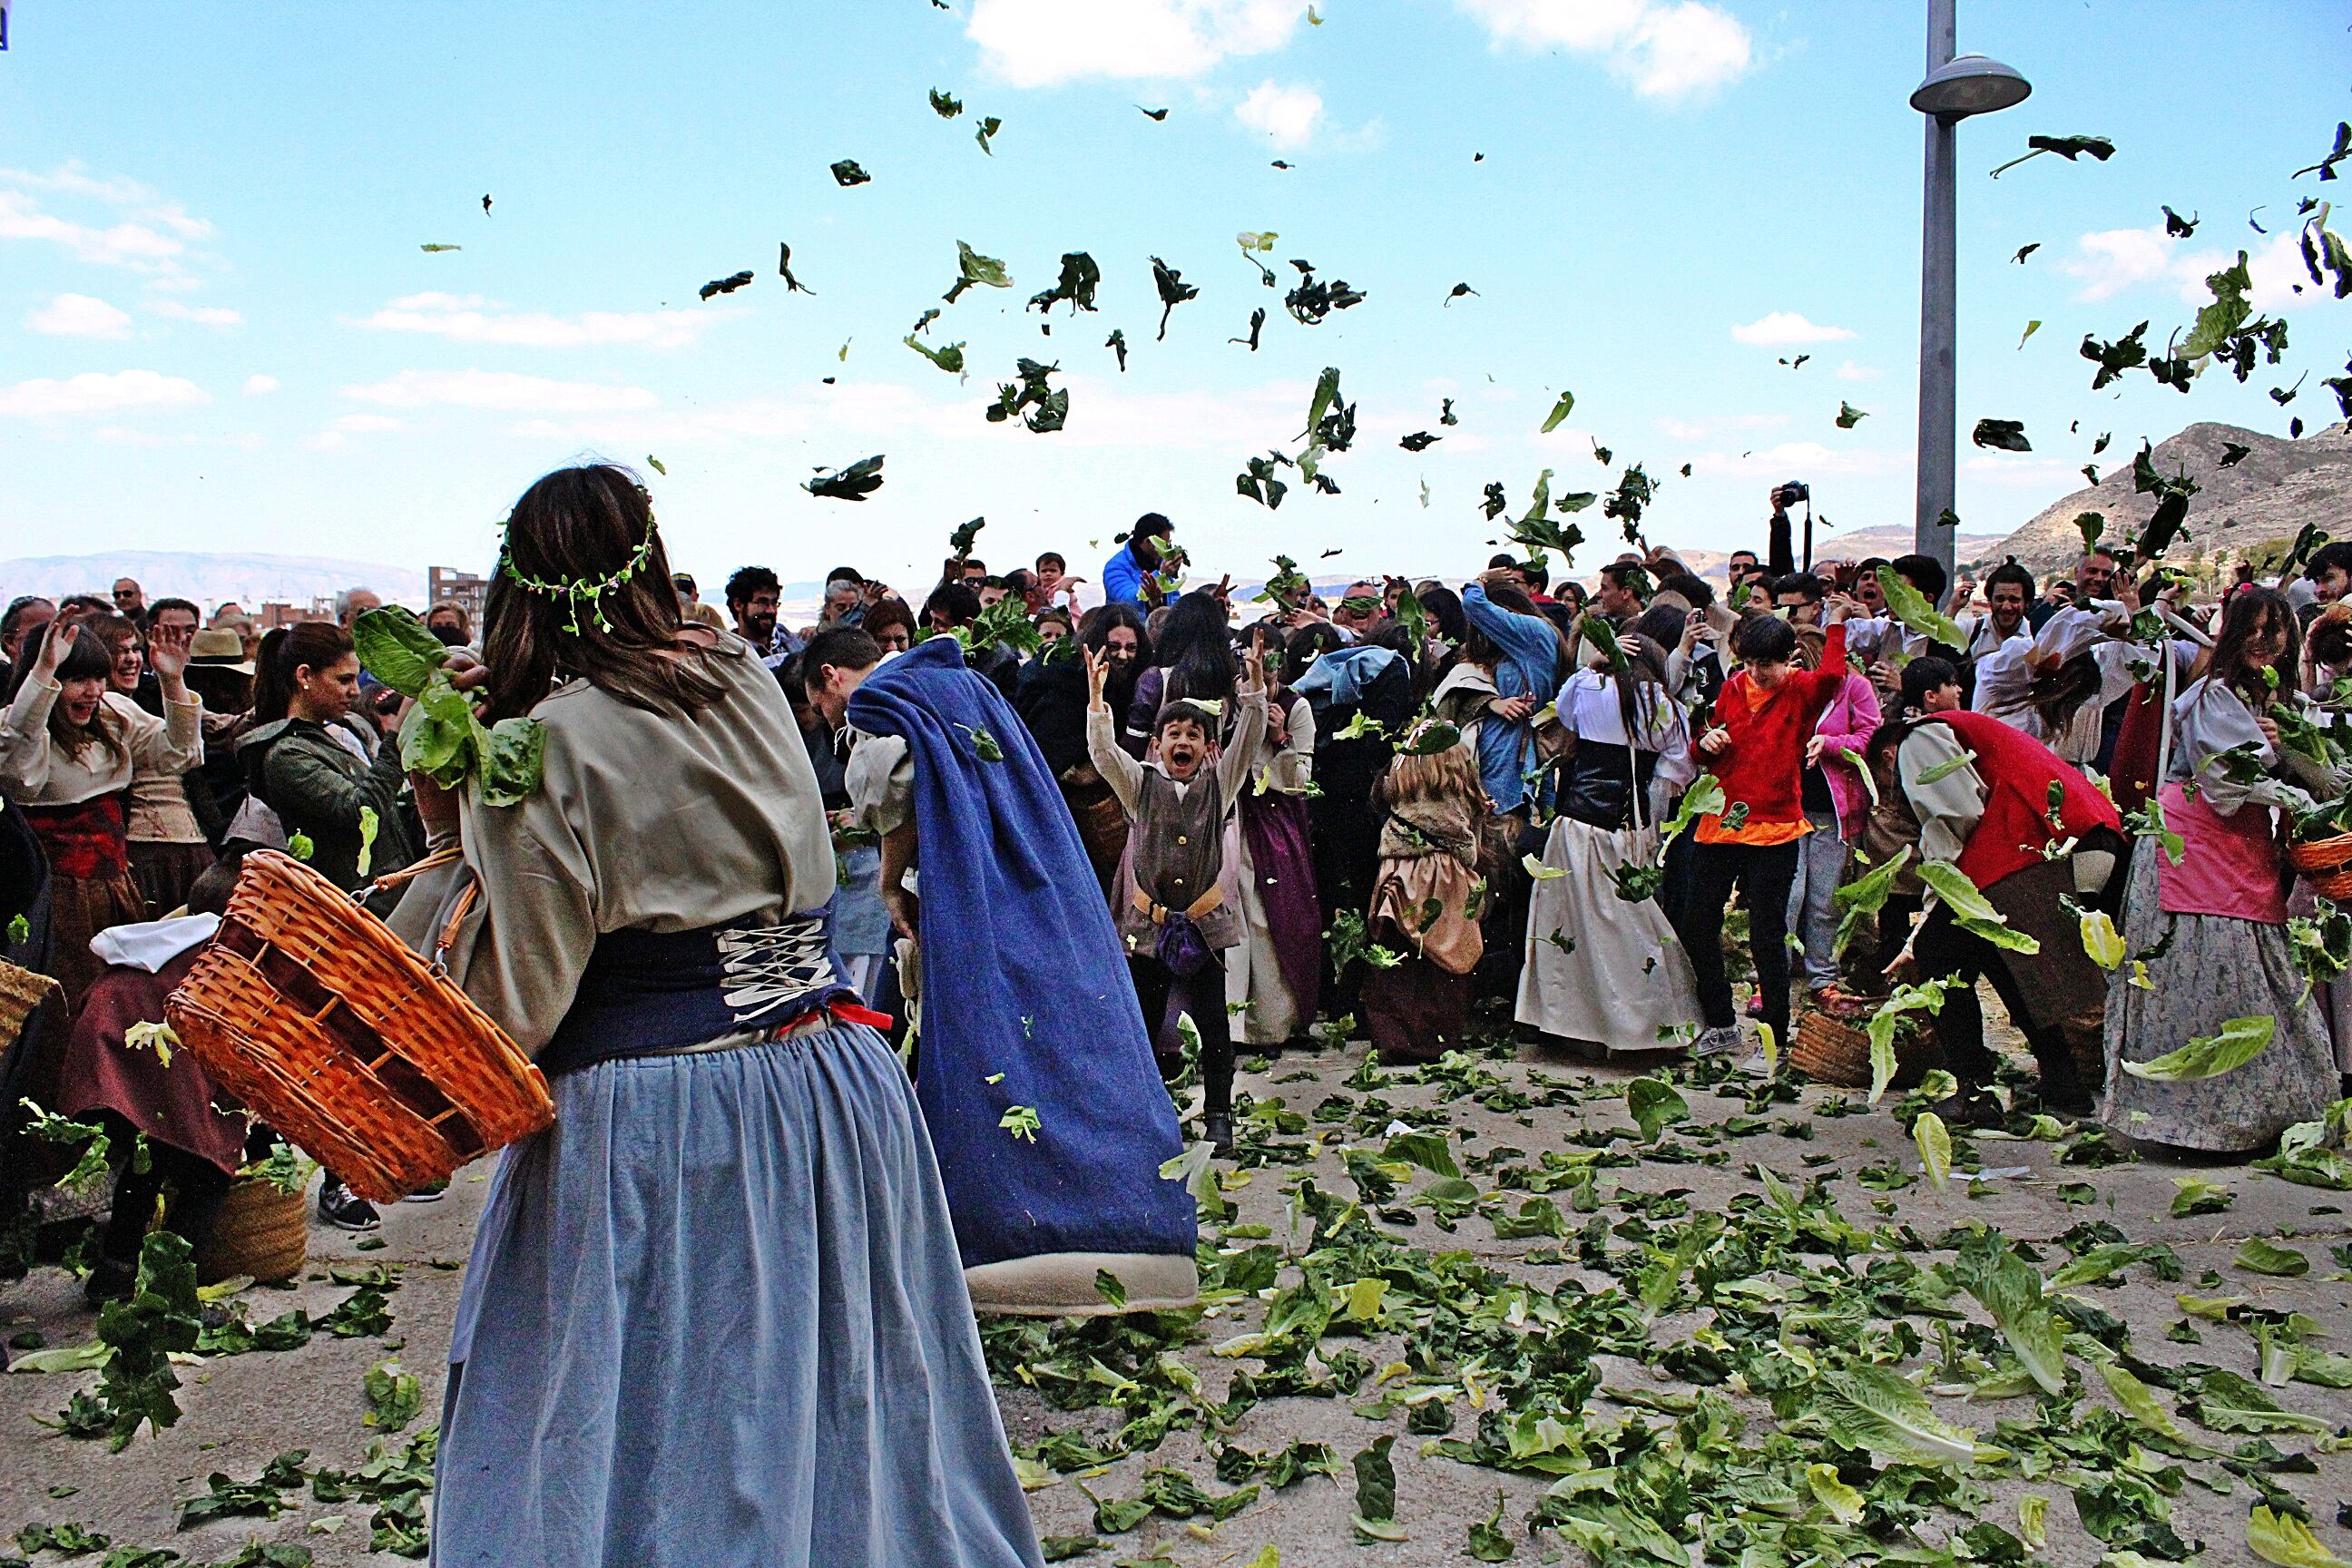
[449,855]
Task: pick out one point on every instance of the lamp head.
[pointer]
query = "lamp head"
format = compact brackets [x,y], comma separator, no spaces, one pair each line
[1970,84]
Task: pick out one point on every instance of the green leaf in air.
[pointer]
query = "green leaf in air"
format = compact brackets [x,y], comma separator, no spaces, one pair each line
[1849,416]
[1559,411]
[1971,911]
[2239,1041]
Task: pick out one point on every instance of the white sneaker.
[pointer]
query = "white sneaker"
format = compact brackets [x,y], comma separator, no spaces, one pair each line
[1717,1042]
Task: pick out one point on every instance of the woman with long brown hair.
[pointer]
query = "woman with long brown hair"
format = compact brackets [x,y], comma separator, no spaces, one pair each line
[1429,898]
[2212,924]
[715,1313]
[168,848]
[68,750]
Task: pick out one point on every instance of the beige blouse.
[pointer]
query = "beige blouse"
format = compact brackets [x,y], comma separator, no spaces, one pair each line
[643,821]
[33,771]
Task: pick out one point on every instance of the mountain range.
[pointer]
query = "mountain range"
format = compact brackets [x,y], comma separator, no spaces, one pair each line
[210,578]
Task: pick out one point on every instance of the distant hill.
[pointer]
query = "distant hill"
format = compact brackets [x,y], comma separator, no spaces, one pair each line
[2268,495]
[210,579]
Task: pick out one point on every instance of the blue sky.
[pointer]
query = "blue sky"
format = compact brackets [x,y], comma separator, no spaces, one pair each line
[220,331]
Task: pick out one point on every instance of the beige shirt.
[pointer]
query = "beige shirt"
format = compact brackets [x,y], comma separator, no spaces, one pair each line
[34,771]
[643,821]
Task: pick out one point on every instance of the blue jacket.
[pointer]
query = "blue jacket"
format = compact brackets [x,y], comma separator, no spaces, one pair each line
[1123,577]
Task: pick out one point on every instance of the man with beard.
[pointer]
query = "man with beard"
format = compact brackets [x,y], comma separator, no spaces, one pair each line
[1125,573]
[2008,590]
[752,595]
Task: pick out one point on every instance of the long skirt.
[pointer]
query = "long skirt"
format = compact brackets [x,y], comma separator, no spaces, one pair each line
[80,907]
[1601,968]
[2215,968]
[164,872]
[715,1318]
[1415,1011]
[1275,975]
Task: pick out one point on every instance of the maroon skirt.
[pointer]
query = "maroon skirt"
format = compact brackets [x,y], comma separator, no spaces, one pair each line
[1416,1012]
[90,886]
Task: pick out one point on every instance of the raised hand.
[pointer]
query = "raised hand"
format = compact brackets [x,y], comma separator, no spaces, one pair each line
[167,652]
[58,642]
[1097,673]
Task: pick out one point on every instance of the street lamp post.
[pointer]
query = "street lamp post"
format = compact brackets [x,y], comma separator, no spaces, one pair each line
[1957,87]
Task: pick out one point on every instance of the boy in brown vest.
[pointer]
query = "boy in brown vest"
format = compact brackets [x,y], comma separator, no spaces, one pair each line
[1177,905]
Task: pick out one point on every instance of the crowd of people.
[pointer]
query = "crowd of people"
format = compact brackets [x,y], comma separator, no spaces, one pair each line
[1061,844]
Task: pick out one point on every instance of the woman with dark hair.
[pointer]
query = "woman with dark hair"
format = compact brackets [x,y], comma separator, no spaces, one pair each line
[69,750]
[1601,969]
[1192,661]
[2212,924]
[891,625]
[716,1313]
[1509,663]
[315,768]
[168,848]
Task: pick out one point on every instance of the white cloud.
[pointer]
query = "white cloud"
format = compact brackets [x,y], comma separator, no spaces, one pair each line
[365,422]
[1849,370]
[1664,49]
[1287,114]
[202,315]
[119,245]
[96,391]
[499,389]
[1784,328]
[1038,43]
[254,385]
[471,318]
[2114,261]
[79,316]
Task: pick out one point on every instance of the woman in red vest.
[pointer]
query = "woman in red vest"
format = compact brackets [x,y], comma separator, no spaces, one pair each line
[2215,920]
[2031,832]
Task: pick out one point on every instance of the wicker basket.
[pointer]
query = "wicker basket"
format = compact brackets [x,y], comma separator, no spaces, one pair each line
[1836,1052]
[2325,864]
[316,1017]
[263,1233]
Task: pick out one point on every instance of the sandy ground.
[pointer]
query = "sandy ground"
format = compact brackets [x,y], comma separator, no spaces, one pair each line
[240,1411]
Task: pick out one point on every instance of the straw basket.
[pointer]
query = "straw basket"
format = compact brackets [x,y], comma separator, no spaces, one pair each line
[1833,1050]
[263,1233]
[2325,864]
[316,1017]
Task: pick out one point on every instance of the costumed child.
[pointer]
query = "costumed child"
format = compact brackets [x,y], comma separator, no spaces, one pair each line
[1031,1060]
[1428,898]
[1178,904]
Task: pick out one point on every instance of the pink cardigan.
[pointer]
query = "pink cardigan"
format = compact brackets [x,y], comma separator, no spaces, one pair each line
[1846,725]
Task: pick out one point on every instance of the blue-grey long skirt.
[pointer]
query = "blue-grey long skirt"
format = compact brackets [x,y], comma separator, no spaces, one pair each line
[715,1318]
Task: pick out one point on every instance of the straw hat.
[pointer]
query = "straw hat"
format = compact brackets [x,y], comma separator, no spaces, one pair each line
[219,649]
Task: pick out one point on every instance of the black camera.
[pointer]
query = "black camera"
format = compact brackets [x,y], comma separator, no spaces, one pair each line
[1789,494]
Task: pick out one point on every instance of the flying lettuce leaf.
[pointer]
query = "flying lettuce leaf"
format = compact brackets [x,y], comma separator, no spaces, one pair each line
[945,107]
[1971,911]
[726,285]
[1173,291]
[1311,302]
[1045,407]
[2002,434]
[2067,147]
[1076,287]
[986,129]
[1910,607]
[394,647]
[848,173]
[1866,895]
[1559,411]
[949,358]
[2127,353]
[2241,1040]
[973,268]
[855,482]
[1848,416]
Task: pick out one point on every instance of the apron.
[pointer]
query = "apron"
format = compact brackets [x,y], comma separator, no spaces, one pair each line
[2231,867]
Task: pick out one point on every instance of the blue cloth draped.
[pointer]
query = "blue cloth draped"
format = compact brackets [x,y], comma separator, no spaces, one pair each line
[1530,656]
[1022,976]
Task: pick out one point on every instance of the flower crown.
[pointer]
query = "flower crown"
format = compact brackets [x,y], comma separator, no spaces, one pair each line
[573,590]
